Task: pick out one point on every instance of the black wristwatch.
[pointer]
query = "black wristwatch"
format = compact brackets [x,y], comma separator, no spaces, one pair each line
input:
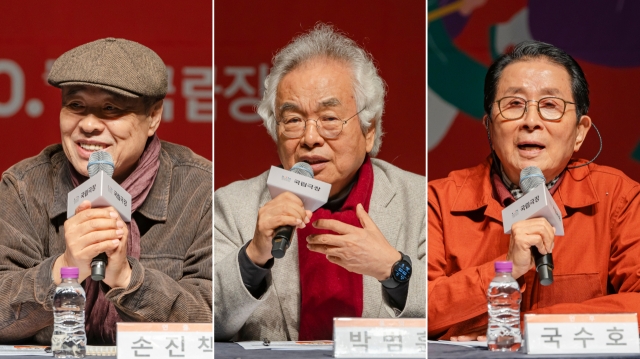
[400,272]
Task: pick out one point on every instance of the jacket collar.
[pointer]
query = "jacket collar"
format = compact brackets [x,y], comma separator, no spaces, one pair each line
[62,184]
[387,214]
[476,191]
[154,207]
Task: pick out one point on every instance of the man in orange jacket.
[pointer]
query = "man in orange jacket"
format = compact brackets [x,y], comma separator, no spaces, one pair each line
[536,103]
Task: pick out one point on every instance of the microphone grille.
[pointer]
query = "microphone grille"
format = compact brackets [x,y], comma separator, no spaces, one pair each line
[100,161]
[530,178]
[303,168]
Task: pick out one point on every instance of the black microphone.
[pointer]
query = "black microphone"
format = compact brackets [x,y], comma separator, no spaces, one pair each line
[282,236]
[100,161]
[530,178]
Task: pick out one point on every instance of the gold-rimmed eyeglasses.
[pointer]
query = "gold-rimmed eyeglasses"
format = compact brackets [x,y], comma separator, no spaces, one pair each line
[549,108]
[328,126]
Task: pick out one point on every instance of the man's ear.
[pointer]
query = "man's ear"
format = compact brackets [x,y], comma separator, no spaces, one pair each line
[156,117]
[370,136]
[485,122]
[581,131]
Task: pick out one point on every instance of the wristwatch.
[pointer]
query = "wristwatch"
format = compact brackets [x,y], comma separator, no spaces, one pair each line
[400,272]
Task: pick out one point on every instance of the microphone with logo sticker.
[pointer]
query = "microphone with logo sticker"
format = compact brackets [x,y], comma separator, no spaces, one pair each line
[536,202]
[299,181]
[102,191]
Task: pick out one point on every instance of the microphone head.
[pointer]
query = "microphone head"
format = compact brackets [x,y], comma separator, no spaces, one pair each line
[530,178]
[302,168]
[100,161]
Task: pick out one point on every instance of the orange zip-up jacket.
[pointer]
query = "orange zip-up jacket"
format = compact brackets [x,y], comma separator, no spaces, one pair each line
[597,261]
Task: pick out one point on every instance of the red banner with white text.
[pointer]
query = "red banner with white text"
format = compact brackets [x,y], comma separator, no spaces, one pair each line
[34,33]
[249,33]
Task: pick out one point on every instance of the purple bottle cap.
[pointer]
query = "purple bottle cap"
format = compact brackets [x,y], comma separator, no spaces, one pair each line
[503,266]
[69,272]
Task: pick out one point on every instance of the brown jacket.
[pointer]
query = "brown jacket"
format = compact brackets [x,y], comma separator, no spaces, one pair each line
[597,261]
[170,283]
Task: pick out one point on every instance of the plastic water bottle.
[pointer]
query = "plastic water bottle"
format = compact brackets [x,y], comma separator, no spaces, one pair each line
[69,339]
[503,296]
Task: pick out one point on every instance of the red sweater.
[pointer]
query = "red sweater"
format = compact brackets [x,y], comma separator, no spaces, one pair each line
[597,261]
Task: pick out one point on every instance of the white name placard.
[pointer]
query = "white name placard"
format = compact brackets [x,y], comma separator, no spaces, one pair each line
[379,338]
[312,192]
[537,203]
[165,340]
[581,333]
[102,191]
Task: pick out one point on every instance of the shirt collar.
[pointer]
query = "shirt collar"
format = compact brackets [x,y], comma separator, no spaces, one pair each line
[508,192]
[476,190]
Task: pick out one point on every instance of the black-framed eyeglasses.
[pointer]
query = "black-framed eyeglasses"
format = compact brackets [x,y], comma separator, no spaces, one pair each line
[328,126]
[550,108]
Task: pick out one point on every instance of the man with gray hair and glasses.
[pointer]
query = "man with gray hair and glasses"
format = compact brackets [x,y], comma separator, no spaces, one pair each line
[322,105]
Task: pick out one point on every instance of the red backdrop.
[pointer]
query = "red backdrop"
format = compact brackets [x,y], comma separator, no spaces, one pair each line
[247,35]
[34,33]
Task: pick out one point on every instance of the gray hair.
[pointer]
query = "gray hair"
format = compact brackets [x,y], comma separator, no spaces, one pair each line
[324,41]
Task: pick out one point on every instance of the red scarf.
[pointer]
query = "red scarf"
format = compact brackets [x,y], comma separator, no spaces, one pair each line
[100,314]
[328,290]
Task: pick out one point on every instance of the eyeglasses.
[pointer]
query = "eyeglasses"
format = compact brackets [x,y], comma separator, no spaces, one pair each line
[549,108]
[328,126]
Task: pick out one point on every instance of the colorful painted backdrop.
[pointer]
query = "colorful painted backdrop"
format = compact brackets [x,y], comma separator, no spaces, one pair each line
[465,36]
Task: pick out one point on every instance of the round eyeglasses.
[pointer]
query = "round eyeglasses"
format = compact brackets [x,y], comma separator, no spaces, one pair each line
[328,126]
[549,108]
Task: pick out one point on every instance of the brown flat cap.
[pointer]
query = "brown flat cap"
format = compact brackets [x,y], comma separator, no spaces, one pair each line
[118,65]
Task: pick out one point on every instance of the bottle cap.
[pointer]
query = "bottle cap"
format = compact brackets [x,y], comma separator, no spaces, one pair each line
[503,266]
[69,272]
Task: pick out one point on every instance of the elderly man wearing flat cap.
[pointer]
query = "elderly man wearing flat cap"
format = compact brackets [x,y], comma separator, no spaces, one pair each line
[159,264]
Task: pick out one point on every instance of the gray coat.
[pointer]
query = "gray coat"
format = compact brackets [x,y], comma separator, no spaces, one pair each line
[398,209]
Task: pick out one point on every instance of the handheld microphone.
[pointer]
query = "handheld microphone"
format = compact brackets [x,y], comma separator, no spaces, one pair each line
[530,178]
[100,161]
[102,191]
[282,236]
[536,202]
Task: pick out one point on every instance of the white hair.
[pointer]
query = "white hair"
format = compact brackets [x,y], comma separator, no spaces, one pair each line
[324,41]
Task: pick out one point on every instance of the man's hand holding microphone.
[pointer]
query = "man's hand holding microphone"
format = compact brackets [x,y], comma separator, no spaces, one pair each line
[529,221]
[279,217]
[97,232]
[534,234]
[286,209]
[92,231]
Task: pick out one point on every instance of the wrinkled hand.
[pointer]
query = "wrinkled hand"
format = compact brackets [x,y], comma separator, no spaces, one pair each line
[88,233]
[118,271]
[534,232]
[360,250]
[284,210]
[480,335]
